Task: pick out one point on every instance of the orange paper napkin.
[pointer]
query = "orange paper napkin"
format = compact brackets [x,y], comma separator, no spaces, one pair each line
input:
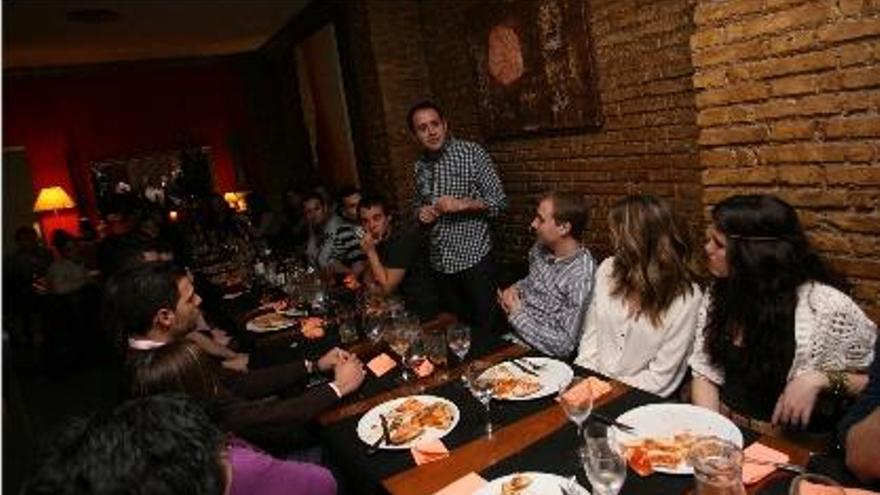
[425,369]
[432,450]
[466,485]
[754,472]
[581,392]
[381,364]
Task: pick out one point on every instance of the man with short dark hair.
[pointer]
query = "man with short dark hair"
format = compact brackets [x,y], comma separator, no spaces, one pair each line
[457,193]
[546,308]
[150,305]
[162,445]
[327,232]
[396,258]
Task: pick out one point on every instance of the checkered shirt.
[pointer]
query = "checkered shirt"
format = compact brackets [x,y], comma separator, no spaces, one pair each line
[554,297]
[463,170]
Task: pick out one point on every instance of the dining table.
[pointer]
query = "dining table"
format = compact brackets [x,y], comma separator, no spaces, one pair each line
[529,436]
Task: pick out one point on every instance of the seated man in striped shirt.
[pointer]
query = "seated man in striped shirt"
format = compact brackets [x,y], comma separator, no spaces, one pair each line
[328,245]
[546,308]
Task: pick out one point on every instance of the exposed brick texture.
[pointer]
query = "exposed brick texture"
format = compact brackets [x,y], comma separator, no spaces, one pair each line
[647,143]
[788,95]
[701,99]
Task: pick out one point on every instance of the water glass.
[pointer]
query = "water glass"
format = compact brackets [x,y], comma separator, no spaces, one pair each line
[800,483]
[435,347]
[398,339]
[604,463]
[717,467]
[576,399]
[373,327]
[458,337]
[481,388]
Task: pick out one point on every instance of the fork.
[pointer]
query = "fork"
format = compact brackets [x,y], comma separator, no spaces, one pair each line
[533,365]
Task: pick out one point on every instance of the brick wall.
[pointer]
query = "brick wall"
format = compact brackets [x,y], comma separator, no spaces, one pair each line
[788,96]
[648,141]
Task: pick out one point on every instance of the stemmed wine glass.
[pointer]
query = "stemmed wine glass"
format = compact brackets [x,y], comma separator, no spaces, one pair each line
[576,399]
[399,341]
[458,337]
[604,463]
[481,388]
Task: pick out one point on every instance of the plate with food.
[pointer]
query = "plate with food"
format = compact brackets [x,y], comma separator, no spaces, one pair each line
[527,378]
[530,483]
[663,434]
[410,420]
[268,322]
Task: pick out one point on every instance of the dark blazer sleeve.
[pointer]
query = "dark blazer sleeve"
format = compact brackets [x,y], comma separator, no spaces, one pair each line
[275,424]
[264,382]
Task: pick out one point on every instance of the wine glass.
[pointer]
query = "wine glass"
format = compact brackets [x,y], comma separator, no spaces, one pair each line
[604,463]
[481,388]
[398,340]
[373,327]
[576,399]
[458,337]
[416,354]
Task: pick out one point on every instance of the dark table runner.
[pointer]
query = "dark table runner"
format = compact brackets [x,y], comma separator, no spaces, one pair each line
[364,474]
[557,454]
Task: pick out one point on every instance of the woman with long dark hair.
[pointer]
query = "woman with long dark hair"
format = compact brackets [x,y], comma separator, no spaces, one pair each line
[640,325]
[774,333]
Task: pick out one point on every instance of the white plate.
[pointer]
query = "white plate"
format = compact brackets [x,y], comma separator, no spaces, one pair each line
[542,484]
[253,327]
[369,428]
[667,420]
[552,375]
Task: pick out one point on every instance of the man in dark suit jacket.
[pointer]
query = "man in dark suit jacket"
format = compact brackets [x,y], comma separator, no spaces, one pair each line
[150,305]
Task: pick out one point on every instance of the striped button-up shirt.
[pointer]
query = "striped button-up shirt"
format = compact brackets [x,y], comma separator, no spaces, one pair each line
[463,170]
[554,298]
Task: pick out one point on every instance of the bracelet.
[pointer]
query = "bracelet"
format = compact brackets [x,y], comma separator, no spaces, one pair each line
[837,381]
[310,366]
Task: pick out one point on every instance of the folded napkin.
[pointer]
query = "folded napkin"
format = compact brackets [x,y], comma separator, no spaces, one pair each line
[425,369]
[581,392]
[432,450]
[754,472]
[466,485]
[381,364]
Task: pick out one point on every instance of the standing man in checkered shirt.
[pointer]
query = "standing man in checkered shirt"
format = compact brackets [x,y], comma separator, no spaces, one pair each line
[457,193]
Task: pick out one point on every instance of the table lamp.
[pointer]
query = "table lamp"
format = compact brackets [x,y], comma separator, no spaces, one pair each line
[53,199]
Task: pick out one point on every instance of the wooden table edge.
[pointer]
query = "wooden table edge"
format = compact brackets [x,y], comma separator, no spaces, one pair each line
[482,452]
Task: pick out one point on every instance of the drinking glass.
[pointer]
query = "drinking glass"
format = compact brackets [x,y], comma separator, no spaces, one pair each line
[604,462]
[373,327]
[458,337]
[398,340]
[829,486]
[435,347]
[481,388]
[717,467]
[416,354]
[576,402]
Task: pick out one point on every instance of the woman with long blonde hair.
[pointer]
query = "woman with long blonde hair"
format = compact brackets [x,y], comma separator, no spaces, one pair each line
[640,324]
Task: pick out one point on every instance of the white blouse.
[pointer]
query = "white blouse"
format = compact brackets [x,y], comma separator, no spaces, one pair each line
[831,332]
[631,349]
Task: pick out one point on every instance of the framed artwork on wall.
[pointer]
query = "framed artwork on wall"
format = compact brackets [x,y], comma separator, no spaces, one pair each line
[534,66]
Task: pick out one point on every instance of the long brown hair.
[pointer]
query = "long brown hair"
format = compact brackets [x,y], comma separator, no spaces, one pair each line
[654,260]
[176,367]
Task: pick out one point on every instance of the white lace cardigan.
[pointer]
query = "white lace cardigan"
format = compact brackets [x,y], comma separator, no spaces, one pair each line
[831,333]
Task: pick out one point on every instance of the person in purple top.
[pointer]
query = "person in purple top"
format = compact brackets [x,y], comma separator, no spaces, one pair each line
[255,472]
[166,444]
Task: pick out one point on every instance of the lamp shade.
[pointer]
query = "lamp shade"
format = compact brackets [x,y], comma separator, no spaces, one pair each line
[53,199]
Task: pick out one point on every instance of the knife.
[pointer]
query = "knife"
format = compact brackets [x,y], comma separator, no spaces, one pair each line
[372,449]
[612,422]
[522,367]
